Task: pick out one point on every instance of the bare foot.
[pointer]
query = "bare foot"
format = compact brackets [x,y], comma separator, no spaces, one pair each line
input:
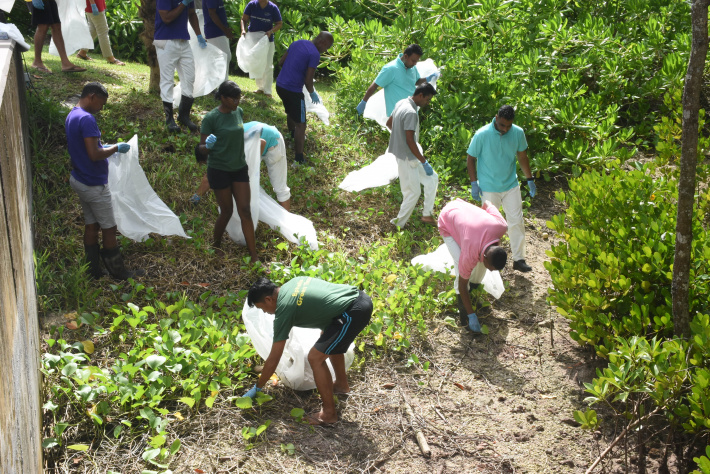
[429,220]
[219,252]
[321,419]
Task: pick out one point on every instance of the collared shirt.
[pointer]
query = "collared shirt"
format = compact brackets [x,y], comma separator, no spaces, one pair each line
[262,19]
[496,156]
[473,228]
[301,55]
[404,117]
[398,82]
[176,29]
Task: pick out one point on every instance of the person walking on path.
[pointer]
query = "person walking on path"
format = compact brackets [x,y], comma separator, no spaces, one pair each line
[273,153]
[472,234]
[414,170]
[298,66]
[217,29]
[263,16]
[491,168]
[98,27]
[172,47]
[341,312]
[45,15]
[399,78]
[89,179]
[227,171]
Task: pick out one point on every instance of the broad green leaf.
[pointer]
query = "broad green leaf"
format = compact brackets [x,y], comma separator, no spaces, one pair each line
[49,443]
[78,447]
[243,402]
[154,361]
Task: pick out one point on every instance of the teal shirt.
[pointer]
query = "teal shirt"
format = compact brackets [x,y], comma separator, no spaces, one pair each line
[496,156]
[309,302]
[268,132]
[398,82]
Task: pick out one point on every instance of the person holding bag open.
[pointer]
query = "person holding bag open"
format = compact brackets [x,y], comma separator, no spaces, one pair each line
[263,16]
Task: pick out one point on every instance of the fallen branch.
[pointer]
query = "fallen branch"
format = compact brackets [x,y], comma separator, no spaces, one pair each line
[421,440]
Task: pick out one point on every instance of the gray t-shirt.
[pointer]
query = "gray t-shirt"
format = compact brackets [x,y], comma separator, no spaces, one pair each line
[404,117]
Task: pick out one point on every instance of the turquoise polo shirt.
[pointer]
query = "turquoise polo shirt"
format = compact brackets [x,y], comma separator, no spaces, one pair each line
[496,156]
[398,82]
[268,132]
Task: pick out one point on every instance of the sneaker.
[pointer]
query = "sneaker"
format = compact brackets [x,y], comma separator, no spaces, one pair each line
[195,199]
[521,266]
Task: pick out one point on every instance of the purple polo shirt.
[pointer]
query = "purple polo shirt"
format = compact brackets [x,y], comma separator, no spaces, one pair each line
[212,30]
[81,124]
[301,55]
[262,19]
[176,29]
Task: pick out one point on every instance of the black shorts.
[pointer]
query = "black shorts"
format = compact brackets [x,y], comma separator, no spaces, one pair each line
[294,104]
[337,337]
[220,179]
[48,16]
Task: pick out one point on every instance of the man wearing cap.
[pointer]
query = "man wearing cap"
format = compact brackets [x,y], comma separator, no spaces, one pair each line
[472,234]
[491,168]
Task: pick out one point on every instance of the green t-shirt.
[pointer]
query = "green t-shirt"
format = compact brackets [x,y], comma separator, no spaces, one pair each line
[228,151]
[308,302]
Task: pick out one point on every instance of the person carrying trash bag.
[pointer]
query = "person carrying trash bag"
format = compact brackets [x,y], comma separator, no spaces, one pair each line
[172,47]
[399,78]
[89,179]
[263,16]
[472,234]
[340,311]
[273,153]
[217,29]
[414,170]
[491,159]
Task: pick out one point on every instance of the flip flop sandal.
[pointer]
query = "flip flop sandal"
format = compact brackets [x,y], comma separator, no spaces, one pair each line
[84,58]
[43,69]
[117,63]
[74,69]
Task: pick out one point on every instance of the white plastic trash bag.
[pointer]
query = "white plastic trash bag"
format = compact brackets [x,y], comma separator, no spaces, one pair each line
[318,109]
[293,369]
[252,151]
[137,208]
[75,29]
[292,226]
[376,109]
[251,53]
[441,261]
[380,172]
[210,66]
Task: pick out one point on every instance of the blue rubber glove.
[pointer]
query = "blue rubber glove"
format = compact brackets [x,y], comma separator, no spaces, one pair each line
[202,41]
[475,191]
[186,3]
[315,97]
[94,9]
[253,391]
[427,168]
[38,4]
[433,76]
[361,107]
[210,141]
[532,188]
[473,324]
[123,147]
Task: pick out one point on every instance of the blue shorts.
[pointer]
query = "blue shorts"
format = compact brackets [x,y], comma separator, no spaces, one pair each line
[337,337]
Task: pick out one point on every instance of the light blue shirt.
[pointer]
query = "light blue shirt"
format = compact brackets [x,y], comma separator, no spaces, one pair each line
[398,82]
[268,132]
[496,156]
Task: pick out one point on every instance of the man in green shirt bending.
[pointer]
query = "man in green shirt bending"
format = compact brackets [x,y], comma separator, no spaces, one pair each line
[341,312]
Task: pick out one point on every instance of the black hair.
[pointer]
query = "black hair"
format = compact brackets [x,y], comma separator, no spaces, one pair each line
[228,89]
[497,256]
[324,37]
[506,112]
[413,49]
[94,88]
[261,288]
[426,89]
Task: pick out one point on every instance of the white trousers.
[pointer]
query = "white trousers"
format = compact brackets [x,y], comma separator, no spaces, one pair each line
[264,82]
[222,42]
[175,55]
[512,203]
[99,28]
[277,168]
[479,271]
[411,179]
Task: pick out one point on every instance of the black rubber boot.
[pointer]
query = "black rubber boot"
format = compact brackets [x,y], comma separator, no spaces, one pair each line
[169,120]
[184,113]
[113,260]
[94,260]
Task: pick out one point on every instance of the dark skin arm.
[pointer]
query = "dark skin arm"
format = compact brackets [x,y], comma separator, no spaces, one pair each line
[421,80]
[215,18]
[194,22]
[471,166]
[169,15]
[277,350]
[283,58]
[412,144]
[95,151]
[310,72]
[370,90]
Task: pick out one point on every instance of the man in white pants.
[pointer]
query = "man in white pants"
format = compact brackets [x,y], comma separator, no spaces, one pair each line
[414,170]
[172,46]
[491,168]
[472,234]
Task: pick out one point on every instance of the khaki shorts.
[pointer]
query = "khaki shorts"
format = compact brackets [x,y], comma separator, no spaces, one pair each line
[95,202]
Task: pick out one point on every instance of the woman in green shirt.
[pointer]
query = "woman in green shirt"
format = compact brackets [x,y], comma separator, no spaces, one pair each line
[227,171]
